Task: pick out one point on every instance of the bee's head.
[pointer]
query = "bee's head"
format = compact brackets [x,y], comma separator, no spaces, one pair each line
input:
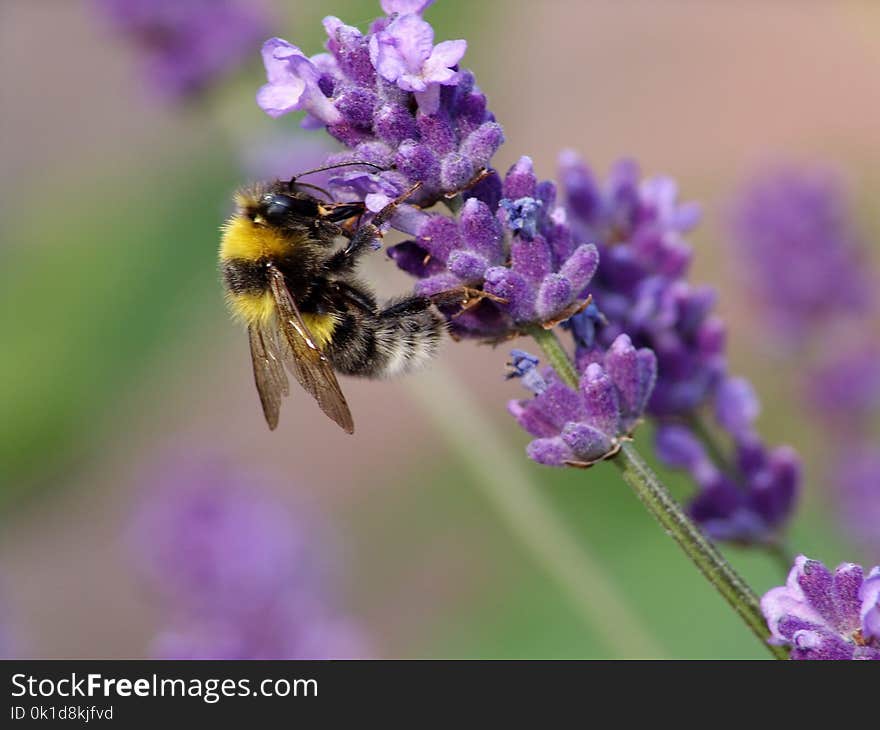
[279,209]
[283,205]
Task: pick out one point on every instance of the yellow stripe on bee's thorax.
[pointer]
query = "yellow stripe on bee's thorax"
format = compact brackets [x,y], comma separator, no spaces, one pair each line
[244,239]
[259,308]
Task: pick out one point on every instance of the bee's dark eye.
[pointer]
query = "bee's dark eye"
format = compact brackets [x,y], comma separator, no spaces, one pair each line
[278,207]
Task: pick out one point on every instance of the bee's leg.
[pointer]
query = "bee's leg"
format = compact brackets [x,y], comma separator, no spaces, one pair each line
[405,307]
[366,235]
[464,297]
[481,175]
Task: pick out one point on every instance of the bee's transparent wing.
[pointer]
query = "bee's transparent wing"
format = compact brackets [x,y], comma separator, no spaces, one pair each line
[268,371]
[304,358]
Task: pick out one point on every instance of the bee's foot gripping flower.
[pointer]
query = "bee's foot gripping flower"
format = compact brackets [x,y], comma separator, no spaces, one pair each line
[581,427]
[821,615]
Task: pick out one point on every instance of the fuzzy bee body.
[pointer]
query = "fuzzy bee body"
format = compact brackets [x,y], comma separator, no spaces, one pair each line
[305,308]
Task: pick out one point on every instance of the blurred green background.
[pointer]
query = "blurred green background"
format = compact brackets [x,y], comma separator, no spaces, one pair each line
[117,344]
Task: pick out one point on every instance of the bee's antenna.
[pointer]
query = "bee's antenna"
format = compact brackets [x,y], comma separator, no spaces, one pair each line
[293,183]
[338,164]
[295,178]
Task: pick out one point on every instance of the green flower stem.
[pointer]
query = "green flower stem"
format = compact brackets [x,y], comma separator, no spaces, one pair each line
[716,452]
[660,503]
[522,506]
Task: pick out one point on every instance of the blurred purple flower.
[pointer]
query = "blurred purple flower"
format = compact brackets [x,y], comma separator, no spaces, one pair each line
[856,481]
[579,428]
[188,45]
[845,387]
[748,498]
[824,615]
[794,233]
[237,575]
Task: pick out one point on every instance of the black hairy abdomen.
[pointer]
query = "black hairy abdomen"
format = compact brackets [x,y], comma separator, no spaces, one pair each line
[242,276]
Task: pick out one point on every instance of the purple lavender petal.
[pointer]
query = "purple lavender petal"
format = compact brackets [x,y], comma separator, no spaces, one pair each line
[848,580]
[580,267]
[531,419]
[515,289]
[821,645]
[456,171]
[520,181]
[582,193]
[736,406]
[601,405]
[418,163]
[481,230]
[437,283]
[293,84]
[394,124]
[468,266]
[440,236]
[869,612]
[482,143]
[587,443]
[351,50]
[816,582]
[404,7]
[555,293]
[549,451]
[677,446]
[531,259]
[404,53]
[789,601]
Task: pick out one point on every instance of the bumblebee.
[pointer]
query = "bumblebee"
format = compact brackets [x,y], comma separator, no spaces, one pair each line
[295,288]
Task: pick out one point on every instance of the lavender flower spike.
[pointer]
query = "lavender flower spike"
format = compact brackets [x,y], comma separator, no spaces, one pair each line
[394,99]
[641,289]
[580,428]
[821,615]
